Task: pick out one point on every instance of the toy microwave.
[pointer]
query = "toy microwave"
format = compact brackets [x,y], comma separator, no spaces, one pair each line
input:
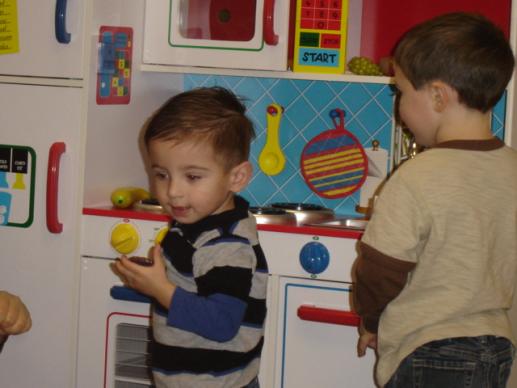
[320,36]
[243,34]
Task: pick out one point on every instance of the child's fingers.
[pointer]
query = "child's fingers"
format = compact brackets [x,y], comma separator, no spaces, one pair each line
[157,254]
[362,344]
[120,269]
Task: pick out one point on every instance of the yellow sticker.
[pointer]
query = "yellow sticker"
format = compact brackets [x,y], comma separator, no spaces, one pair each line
[8,27]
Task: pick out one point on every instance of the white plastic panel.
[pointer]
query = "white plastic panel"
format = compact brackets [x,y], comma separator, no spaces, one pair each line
[40,54]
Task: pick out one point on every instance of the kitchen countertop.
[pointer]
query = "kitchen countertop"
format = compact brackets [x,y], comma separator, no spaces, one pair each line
[109,211]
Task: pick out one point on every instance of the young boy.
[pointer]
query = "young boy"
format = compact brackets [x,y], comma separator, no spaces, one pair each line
[209,276]
[438,259]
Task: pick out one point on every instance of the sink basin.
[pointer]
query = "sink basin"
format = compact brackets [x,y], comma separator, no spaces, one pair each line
[342,223]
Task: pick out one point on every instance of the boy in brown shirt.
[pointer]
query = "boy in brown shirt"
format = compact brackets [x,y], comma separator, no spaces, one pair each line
[438,260]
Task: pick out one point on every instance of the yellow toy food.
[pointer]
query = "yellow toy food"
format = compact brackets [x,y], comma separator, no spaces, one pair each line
[125,197]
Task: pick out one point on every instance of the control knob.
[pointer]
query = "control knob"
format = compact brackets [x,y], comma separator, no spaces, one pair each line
[124,238]
[314,257]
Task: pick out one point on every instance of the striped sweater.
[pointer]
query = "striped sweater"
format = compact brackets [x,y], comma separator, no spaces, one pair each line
[212,335]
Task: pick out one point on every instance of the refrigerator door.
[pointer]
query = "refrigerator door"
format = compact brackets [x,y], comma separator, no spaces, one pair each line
[39,26]
[39,266]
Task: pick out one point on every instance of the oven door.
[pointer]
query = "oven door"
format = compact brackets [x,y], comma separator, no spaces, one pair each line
[317,337]
[127,354]
[113,330]
[216,23]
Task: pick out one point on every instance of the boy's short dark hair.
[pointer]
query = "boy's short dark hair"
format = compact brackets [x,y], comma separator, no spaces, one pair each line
[212,114]
[464,50]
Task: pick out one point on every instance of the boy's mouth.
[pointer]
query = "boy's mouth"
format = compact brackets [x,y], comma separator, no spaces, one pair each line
[179,211]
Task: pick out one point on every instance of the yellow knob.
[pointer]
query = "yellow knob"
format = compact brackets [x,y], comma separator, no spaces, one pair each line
[124,238]
[161,234]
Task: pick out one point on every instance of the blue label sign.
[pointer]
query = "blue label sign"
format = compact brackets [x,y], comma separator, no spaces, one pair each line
[318,57]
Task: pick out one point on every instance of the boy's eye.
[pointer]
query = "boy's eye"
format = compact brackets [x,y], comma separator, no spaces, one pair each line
[160,175]
[192,177]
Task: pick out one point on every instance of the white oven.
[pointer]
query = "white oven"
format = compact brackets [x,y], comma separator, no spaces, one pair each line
[315,331]
[243,34]
[311,334]
[113,320]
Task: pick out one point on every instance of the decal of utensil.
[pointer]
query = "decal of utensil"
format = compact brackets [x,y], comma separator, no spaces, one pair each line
[377,172]
[334,164]
[271,159]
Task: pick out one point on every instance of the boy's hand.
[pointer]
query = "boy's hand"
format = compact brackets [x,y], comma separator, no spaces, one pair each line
[150,280]
[14,316]
[366,340]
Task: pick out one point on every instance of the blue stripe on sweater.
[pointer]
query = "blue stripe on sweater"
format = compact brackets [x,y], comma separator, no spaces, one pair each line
[217,317]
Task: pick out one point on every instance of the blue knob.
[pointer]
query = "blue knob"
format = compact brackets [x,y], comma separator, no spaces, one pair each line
[314,257]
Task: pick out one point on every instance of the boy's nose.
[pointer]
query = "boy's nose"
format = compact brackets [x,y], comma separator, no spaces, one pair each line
[174,190]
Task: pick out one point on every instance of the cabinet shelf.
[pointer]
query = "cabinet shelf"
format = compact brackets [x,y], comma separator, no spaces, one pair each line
[347,77]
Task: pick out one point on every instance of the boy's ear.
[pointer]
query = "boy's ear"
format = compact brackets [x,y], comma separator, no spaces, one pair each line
[441,95]
[240,176]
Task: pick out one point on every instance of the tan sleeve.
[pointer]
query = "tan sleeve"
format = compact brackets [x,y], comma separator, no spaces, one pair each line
[378,280]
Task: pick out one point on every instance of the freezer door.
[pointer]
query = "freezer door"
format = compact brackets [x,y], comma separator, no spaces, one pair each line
[39,266]
[37,26]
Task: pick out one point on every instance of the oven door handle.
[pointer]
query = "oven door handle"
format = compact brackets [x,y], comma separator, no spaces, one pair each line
[324,315]
[127,294]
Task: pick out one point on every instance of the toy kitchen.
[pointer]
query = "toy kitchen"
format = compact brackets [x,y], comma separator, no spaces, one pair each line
[326,140]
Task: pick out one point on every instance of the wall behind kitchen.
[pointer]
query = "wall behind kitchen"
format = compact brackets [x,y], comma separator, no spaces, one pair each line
[368,108]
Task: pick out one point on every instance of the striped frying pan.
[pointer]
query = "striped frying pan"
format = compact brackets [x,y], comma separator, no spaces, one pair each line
[334,164]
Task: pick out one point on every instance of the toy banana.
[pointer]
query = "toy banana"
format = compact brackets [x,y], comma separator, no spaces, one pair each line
[125,197]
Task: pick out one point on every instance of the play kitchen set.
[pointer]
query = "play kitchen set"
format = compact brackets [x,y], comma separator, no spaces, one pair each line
[310,320]
[78,80]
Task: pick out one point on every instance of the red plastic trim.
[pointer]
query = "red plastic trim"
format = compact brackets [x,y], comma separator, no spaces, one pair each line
[269,23]
[312,230]
[323,315]
[124,213]
[54,159]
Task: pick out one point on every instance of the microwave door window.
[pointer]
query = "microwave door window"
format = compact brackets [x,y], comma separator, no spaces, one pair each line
[218,20]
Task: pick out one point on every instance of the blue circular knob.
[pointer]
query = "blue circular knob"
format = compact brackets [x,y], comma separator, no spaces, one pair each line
[314,257]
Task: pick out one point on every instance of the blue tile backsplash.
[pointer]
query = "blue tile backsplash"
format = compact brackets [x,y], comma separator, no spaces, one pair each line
[368,108]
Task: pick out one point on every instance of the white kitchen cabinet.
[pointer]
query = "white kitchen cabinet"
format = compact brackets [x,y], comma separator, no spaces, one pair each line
[40,54]
[40,266]
[317,354]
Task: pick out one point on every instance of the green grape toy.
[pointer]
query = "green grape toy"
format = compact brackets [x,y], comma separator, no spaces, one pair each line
[364,66]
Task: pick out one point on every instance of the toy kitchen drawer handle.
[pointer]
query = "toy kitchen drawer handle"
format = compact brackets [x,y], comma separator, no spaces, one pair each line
[324,315]
[54,159]
[128,295]
[269,23]
[62,35]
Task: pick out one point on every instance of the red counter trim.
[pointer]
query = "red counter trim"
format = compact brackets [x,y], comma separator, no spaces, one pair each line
[313,230]
[121,213]
[298,229]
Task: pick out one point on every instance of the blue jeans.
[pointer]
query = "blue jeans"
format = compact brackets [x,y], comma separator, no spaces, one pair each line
[464,362]
[254,384]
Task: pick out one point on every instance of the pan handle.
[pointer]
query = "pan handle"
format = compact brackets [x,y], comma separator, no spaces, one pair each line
[128,295]
[338,118]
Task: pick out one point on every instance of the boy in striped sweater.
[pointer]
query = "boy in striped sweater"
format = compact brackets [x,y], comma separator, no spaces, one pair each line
[209,276]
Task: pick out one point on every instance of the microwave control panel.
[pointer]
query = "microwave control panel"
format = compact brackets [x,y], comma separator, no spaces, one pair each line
[320,36]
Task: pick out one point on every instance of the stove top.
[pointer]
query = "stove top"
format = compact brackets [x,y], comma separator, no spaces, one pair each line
[291,213]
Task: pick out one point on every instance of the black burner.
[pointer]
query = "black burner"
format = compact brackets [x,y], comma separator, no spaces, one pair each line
[297,206]
[268,211]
